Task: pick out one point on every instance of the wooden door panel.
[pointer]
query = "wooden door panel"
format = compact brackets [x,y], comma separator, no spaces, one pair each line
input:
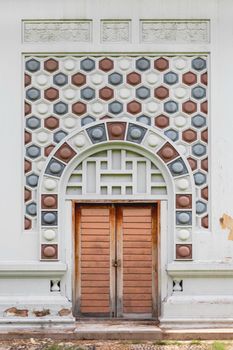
[137,256]
[94,238]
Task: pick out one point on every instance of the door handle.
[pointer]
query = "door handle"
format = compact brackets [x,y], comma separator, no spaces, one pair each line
[116,263]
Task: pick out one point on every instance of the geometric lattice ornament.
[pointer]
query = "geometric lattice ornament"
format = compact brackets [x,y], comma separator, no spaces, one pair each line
[115,170]
[168,93]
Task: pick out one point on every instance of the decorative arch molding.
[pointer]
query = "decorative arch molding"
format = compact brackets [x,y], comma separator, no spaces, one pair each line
[124,135]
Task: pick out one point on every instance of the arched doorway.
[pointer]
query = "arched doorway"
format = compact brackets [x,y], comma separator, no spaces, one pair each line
[136,168]
[116,239]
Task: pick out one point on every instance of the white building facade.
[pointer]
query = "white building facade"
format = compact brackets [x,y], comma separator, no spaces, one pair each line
[116,191]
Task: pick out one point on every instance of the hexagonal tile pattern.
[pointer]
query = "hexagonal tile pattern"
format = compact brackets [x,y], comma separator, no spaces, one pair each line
[189,135]
[142,64]
[87,93]
[64,93]
[33,94]
[51,94]
[115,107]
[78,79]
[79,108]
[161,64]
[142,93]
[106,93]
[189,78]
[106,64]
[161,92]
[115,79]
[162,121]
[189,107]
[51,65]
[51,123]
[133,78]
[171,78]
[134,107]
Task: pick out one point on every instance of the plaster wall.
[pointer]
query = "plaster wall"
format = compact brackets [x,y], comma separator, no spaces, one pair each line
[19,250]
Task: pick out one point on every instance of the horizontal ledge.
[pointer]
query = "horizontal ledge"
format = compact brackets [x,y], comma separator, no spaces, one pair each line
[113,49]
[200,269]
[32,269]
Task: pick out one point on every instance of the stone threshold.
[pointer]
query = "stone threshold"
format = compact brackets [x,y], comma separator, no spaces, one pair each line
[115,330]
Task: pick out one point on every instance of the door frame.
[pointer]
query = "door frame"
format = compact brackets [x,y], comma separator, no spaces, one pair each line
[156,297]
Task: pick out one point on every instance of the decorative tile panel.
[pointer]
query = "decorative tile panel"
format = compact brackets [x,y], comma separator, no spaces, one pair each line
[56,31]
[175,31]
[115,31]
[64,94]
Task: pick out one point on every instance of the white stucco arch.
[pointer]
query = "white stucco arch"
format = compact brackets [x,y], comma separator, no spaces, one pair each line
[150,145]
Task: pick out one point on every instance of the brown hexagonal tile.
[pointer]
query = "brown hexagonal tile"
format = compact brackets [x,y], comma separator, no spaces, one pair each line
[51,65]
[192,163]
[204,78]
[134,107]
[204,135]
[27,108]
[183,201]
[162,121]
[167,152]
[27,80]
[161,64]
[204,193]
[51,123]
[106,93]
[161,92]
[48,150]
[27,166]
[189,78]
[27,224]
[116,131]
[79,108]
[189,135]
[106,64]
[78,79]
[27,137]
[51,94]
[49,201]
[204,164]
[205,221]
[27,194]
[65,153]
[204,107]
[133,78]
[189,107]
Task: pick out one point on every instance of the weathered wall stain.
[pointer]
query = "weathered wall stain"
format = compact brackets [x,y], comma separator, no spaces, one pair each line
[226,222]
[42,313]
[64,312]
[13,311]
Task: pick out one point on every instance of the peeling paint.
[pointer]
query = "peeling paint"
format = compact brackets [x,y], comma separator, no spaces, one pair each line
[64,312]
[42,313]
[226,222]
[13,311]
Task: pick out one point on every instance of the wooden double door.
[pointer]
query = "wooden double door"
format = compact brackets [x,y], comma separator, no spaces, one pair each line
[116,261]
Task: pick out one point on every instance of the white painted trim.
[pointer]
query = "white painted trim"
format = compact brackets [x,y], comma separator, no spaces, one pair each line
[32,268]
[200,269]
